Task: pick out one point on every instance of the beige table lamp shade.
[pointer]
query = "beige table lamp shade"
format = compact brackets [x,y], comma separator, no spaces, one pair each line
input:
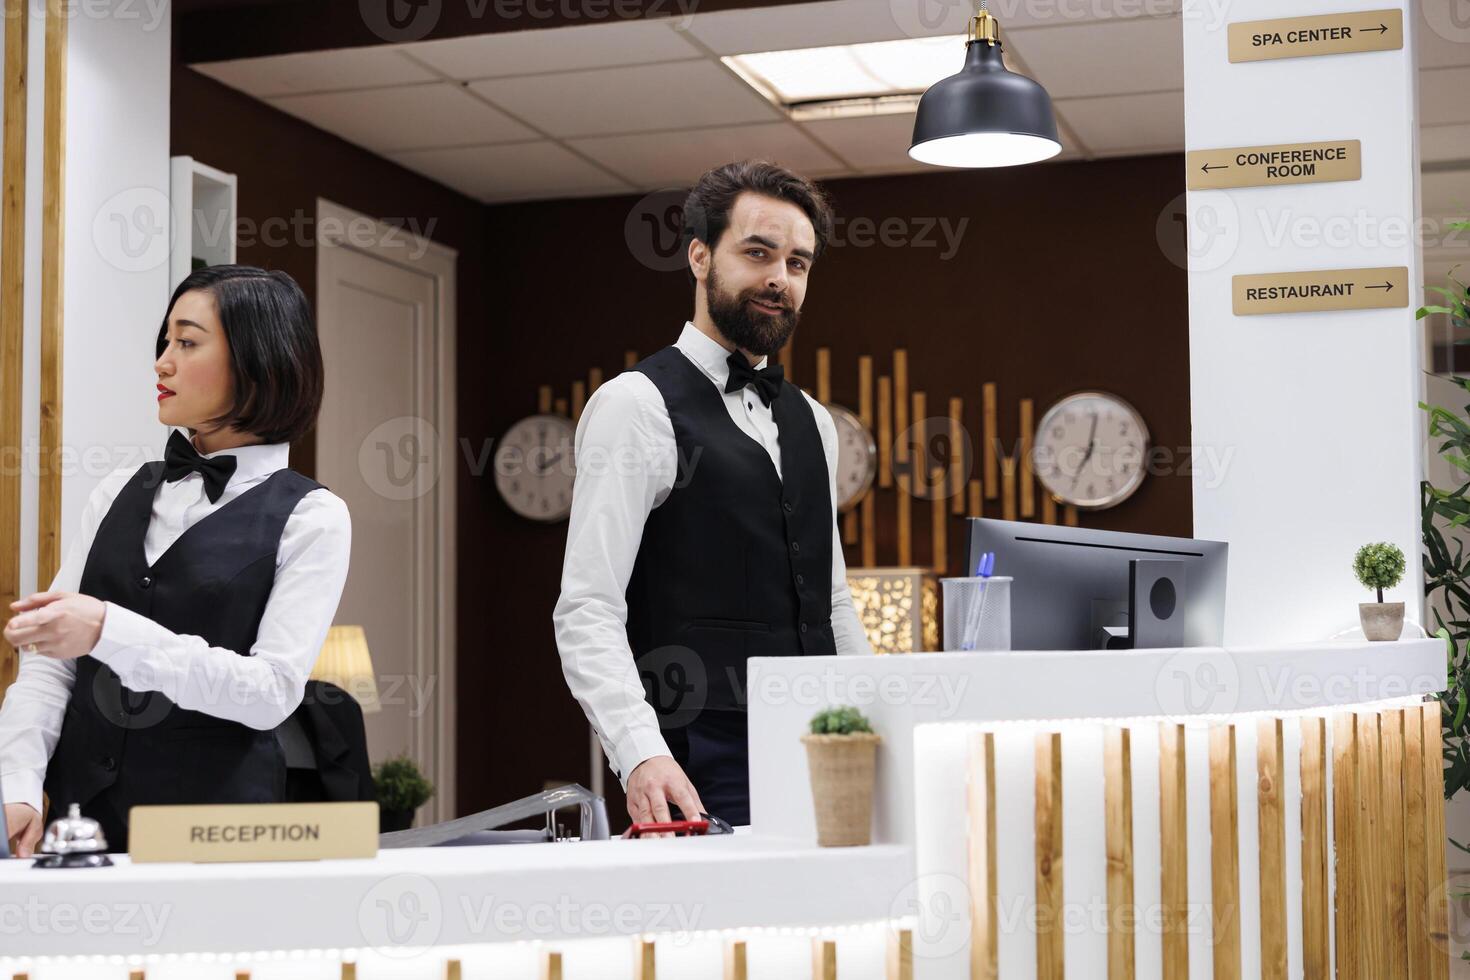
[344,661]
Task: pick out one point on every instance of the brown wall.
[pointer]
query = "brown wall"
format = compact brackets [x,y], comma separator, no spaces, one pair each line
[1059,283]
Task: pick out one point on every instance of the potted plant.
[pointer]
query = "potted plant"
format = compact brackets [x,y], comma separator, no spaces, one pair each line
[402,789]
[842,755]
[1380,566]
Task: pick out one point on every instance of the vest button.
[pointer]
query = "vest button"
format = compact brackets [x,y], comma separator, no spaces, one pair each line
[786,506]
[145,581]
[803,627]
[109,763]
[800,579]
[796,546]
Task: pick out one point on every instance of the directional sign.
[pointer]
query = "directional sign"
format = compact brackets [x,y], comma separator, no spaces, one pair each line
[1286,163]
[1323,289]
[1301,37]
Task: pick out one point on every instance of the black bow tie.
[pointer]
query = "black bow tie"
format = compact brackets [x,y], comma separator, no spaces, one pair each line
[767,381]
[181,458]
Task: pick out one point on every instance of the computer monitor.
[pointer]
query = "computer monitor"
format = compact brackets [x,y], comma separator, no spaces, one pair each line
[1070,582]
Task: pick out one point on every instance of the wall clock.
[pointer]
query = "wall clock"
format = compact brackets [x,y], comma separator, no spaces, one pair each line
[534,467]
[857,457]
[1090,450]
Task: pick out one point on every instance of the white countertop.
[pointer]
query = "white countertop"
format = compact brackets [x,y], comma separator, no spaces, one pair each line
[414,897]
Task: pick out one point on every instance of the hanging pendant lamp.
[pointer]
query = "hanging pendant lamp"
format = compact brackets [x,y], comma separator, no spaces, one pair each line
[986,115]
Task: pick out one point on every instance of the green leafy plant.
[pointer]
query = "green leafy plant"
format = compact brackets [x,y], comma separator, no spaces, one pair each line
[1379,566]
[401,786]
[840,721]
[1446,568]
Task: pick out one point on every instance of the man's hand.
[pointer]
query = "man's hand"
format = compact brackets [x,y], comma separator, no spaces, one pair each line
[61,625]
[23,826]
[656,782]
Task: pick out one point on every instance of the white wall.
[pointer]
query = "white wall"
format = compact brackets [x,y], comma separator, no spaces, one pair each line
[116,289]
[1318,410]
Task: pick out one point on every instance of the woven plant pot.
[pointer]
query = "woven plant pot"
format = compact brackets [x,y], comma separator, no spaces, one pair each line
[842,770]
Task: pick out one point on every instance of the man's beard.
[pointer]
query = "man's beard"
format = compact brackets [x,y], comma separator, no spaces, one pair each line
[763,334]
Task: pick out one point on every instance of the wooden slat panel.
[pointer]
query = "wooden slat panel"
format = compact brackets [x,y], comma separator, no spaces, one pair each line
[867,515]
[975,510]
[787,359]
[885,431]
[12,309]
[1391,844]
[1416,858]
[1224,854]
[900,955]
[824,375]
[453,970]
[1316,938]
[644,960]
[1173,853]
[850,527]
[824,959]
[53,266]
[1271,830]
[980,843]
[543,400]
[901,418]
[939,522]
[1008,488]
[594,380]
[579,399]
[868,510]
[1027,486]
[550,965]
[1345,843]
[1069,516]
[735,968]
[1438,913]
[990,434]
[1048,507]
[630,358]
[559,406]
[955,486]
[1049,897]
[905,528]
[1118,841]
[1372,880]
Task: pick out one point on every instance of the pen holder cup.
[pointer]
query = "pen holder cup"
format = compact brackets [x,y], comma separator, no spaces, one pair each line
[977,613]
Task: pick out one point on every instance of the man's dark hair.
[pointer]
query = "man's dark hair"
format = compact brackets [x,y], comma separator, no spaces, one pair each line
[707,208]
[275,357]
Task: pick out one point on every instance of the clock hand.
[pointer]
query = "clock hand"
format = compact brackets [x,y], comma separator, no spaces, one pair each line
[1091,445]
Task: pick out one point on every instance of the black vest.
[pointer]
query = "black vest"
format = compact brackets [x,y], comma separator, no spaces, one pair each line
[213,582]
[737,561]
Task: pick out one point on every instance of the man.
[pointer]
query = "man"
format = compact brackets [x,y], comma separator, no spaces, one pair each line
[703,527]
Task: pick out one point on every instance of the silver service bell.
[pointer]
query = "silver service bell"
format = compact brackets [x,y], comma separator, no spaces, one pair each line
[73,841]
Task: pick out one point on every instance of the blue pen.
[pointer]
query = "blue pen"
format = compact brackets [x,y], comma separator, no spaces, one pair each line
[972,621]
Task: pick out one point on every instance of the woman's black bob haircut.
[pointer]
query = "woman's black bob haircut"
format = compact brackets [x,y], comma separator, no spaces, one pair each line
[275,356]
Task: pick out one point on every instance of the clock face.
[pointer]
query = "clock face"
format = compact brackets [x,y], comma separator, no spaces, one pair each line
[857,457]
[534,467]
[1090,450]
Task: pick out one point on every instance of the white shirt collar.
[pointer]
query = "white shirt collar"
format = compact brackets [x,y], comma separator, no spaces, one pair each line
[707,353]
[255,462]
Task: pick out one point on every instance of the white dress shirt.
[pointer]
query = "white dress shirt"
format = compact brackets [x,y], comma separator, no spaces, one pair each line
[626,466]
[260,690]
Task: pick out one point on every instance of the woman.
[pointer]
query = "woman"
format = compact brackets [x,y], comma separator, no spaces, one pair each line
[182,627]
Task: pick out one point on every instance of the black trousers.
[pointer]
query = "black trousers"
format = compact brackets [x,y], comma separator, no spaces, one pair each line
[714,752]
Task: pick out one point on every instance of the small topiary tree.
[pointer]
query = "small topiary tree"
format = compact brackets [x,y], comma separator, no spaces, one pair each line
[401,787]
[1379,566]
[840,721]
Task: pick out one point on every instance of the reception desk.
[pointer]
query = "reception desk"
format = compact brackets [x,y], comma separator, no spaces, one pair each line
[1236,812]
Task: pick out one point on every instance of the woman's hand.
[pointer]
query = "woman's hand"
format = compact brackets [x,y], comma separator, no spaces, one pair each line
[23,826]
[61,625]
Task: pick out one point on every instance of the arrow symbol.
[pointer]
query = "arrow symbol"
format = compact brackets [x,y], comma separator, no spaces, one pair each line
[1385,287]
[1215,166]
[1381,28]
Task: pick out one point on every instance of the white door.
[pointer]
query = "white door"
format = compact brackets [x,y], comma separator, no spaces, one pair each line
[381,439]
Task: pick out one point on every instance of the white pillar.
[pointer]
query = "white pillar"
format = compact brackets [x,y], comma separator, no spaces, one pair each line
[1306,431]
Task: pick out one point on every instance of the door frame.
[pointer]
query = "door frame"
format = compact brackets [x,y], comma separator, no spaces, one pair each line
[432,736]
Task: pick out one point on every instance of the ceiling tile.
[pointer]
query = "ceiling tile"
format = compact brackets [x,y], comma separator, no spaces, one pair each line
[652,160]
[624,100]
[1085,59]
[1444,34]
[541,169]
[1442,96]
[868,142]
[316,71]
[409,117]
[556,49]
[804,25]
[1110,123]
[1438,144]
